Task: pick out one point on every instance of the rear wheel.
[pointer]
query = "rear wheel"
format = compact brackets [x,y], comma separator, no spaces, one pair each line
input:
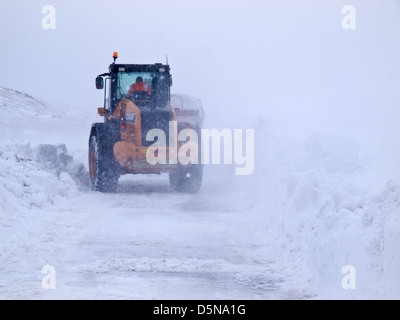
[102,168]
[187,179]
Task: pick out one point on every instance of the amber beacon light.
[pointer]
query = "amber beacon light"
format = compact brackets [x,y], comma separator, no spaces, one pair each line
[115,56]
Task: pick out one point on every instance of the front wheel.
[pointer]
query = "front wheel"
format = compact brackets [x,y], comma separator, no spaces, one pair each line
[187,179]
[102,168]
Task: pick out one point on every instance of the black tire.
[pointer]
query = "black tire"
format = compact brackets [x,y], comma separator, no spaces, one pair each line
[102,166]
[187,179]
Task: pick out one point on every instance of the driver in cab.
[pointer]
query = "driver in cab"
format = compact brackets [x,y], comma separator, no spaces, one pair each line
[139,86]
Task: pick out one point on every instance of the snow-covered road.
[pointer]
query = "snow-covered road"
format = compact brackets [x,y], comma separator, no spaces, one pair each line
[144,242]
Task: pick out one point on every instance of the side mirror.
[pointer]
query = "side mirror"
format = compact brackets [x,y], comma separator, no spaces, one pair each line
[170,81]
[99,83]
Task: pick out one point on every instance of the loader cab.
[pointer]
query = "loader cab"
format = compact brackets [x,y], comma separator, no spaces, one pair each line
[118,84]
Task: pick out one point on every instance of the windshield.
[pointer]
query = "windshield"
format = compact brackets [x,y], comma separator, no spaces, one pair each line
[131,82]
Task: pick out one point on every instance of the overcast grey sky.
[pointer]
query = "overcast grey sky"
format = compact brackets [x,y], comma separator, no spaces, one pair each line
[286,59]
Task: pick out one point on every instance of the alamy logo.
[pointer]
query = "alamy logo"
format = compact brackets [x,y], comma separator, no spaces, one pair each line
[202,147]
[49,280]
[349,280]
[49,20]
[349,20]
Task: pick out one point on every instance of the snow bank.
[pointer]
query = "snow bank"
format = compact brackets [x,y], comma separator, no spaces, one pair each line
[37,177]
[16,103]
[35,171]
[306,204]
